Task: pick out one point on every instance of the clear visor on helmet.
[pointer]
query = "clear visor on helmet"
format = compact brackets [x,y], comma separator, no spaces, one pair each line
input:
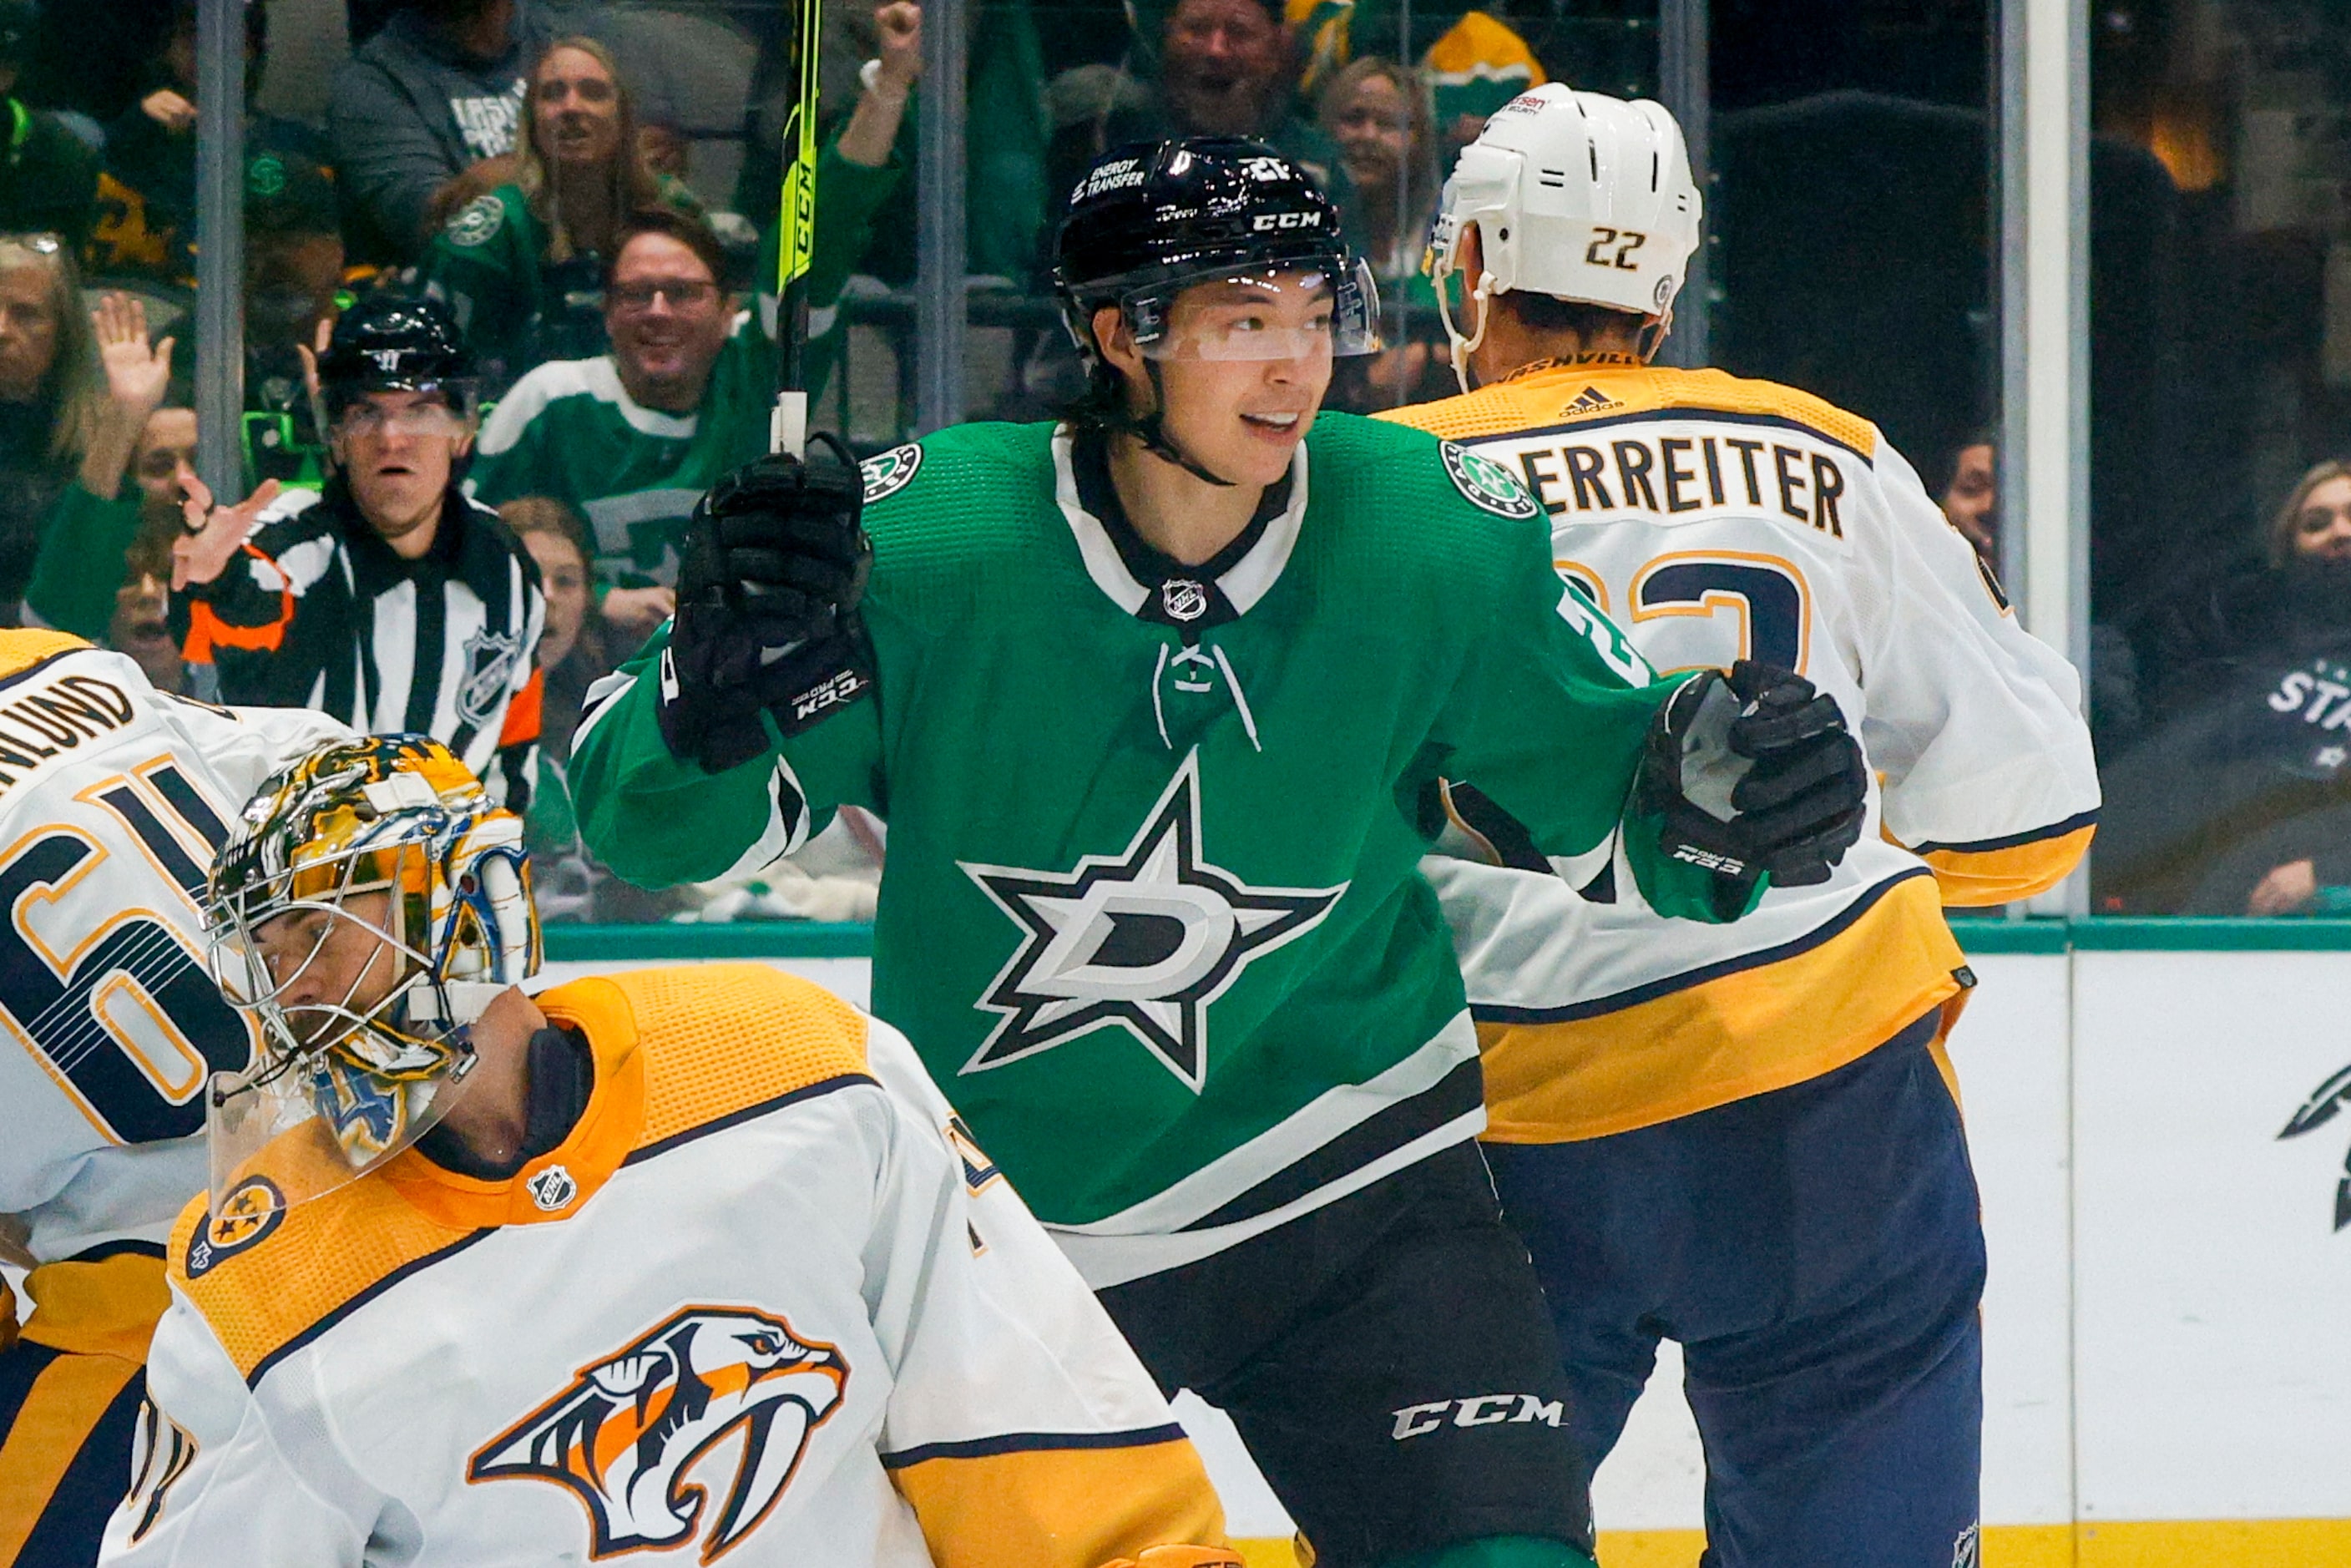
[1301,313]
[359,1060]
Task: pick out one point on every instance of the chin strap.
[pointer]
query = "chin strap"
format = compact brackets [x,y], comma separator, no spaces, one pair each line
[1151,432]
[1484,295]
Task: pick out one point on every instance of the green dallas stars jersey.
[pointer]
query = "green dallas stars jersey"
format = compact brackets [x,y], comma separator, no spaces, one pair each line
[1150,911]
[571,430]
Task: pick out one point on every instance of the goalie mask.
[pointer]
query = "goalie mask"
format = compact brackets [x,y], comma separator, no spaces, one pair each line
[368,905]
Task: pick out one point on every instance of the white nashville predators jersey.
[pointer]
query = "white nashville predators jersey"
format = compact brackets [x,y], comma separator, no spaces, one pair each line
[112,797]
[1717,519]
[766,1302]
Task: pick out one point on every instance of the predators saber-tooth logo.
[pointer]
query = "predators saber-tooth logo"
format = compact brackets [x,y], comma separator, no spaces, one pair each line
[628,1432]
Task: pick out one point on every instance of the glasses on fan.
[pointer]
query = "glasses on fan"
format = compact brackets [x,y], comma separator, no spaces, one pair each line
[682,294]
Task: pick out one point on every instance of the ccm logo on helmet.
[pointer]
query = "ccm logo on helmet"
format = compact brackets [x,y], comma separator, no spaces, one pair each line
[1480,1410]
[1264,221]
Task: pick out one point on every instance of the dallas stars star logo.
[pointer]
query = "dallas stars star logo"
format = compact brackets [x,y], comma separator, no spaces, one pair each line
[1144,940]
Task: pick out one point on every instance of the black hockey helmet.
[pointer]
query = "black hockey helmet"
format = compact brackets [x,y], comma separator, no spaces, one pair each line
[383,343]
[1149,220]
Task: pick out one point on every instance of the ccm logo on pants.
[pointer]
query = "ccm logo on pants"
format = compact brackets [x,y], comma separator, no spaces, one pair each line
[1483,1410]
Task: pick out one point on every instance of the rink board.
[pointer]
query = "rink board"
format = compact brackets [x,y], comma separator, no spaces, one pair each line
[2167,1324]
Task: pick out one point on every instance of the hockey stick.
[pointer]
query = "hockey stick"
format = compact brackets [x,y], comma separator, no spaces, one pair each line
[796,239]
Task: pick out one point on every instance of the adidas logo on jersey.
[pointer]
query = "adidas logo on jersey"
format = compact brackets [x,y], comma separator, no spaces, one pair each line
[1590,399]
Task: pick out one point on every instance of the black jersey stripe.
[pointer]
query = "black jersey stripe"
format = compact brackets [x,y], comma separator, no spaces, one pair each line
[1841,923]
[1032,1443]
[747,1114]
[105,1250]
[1460,1091]
[2073,824]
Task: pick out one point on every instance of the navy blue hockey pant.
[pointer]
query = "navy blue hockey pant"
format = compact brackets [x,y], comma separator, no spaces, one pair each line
[1818,1253]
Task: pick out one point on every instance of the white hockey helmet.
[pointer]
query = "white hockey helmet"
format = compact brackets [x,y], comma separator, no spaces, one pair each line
[1575,194]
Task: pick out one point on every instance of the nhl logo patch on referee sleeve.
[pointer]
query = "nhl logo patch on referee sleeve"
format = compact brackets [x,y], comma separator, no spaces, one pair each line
[1487,482]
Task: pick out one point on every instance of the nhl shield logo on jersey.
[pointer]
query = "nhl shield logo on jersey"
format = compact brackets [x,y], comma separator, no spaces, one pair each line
[489,668]
[890,472]
[1143,940]
[1184,600]
[1487,482]
[628,1432]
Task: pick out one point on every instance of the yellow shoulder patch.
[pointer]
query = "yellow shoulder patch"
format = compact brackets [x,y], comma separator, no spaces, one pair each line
[265,1276]
[715,1038]
[1569,394]
[23,647]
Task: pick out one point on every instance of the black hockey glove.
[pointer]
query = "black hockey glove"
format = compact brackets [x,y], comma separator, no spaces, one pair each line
[774,567]
[1753,774]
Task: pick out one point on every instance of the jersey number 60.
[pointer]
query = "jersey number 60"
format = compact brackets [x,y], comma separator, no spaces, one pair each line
[126,1014]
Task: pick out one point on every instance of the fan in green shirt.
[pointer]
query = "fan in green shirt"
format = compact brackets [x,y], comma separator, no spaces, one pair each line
[630,438]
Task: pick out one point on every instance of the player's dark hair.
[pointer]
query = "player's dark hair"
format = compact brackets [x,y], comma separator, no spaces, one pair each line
[684,227]
[1549,313]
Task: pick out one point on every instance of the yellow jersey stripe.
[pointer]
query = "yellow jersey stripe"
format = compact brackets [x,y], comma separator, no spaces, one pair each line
[2001,871]
[1555,399]
[1040,1501]
[22,648]
[99,1306]
[678,1051]
[1722,1036]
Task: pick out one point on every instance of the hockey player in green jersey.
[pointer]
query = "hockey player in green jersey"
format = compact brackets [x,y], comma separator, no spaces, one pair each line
[1150,699]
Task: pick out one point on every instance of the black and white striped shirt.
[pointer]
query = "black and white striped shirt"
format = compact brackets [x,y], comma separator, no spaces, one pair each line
[318,611]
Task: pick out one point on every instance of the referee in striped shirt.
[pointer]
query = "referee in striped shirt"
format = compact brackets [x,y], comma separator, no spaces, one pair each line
[389,600]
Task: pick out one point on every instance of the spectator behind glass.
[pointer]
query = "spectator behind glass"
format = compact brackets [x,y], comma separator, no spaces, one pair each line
[52,399]
[1377,112]
[519,265]
[49,179]
[293,286]
[96,518]
[146,224]
[422,117]
[630,438]
[570,657]
[1225,69]
[573,656]
[2238,801]
[1970,497]
[141,624]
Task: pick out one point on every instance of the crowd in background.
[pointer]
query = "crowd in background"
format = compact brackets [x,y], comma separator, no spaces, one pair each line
[588,190]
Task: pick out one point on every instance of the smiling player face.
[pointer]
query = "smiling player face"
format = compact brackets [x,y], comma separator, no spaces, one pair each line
[1243,365]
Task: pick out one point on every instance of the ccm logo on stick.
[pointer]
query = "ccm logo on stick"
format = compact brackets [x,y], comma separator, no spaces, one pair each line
[1481,1410]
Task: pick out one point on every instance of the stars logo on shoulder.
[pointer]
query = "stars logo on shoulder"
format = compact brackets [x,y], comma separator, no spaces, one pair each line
[1144,940]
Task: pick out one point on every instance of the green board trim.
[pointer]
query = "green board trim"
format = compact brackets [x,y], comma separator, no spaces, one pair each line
[2182,935]
[1983,937]
[1978,937]
[745,939]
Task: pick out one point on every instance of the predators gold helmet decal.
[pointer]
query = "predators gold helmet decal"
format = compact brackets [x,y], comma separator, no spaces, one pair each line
[627,1432]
